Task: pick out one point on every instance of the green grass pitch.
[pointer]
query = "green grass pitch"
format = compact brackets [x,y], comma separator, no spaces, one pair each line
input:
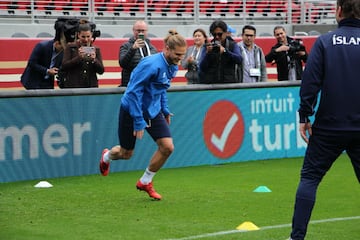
[205,202]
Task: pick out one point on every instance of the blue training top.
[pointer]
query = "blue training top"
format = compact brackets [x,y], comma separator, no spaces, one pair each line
[145,95]
[333,68]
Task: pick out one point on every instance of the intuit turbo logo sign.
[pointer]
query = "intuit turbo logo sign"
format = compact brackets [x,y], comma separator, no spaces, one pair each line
[223,129]
[55,141]
[269,125]
[274,123]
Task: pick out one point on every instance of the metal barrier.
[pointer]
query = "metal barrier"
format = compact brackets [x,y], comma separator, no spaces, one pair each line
[171,11]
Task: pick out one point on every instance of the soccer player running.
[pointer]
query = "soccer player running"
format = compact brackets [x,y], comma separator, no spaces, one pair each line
[144,105]
[337,121]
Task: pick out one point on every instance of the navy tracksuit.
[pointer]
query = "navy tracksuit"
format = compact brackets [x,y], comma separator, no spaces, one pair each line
[333,71]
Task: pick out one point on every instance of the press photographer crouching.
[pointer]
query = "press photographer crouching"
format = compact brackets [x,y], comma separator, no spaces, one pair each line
[222,55]
[288,55]
[82,60]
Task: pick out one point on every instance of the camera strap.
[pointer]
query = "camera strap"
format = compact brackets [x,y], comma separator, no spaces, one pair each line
[147,49]
[196,52]
[253,66]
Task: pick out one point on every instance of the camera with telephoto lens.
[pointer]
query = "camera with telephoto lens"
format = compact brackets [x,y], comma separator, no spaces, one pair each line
[295,46]
[67,29]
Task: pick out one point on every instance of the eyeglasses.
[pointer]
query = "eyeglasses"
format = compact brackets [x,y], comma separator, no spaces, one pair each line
[219,34]
[140,30]
[249,35]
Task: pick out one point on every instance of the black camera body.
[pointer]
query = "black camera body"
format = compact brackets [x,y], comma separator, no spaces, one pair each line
[68,27]
[215,46]
[295,45]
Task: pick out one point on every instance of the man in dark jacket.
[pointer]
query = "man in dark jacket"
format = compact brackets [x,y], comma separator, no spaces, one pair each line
[218,65]
[337,121]
[134,50]
[288,55]
[43,65]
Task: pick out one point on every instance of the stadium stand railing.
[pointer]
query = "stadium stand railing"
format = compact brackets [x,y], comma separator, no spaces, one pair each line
[171,11]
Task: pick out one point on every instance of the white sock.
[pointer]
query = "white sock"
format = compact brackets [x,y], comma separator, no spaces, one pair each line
[107,158]
[147,176]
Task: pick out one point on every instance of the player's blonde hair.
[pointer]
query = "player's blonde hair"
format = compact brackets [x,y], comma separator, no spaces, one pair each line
[174,39]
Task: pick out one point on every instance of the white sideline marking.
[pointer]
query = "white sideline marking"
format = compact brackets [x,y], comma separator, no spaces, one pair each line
[262,228]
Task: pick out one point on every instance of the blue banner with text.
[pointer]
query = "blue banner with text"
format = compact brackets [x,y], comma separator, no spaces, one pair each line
[58,136]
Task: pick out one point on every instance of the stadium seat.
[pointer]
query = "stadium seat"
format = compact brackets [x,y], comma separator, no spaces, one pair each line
[44,35]
[66,5]
[117,6]
[106,35]
[311,12]
[4,5]
[314,33]
[136,6]
[101,6]
[296,12]
[150,35]
[157,5]
[207,7]
[251,7]
[177,6]
[73,6]
[80,5]
[45,5]
[19,35]
[237,7]
[266,6]
[19,5]
[127,35]
[277,6]
[188,7]
[221,7]
[265,34]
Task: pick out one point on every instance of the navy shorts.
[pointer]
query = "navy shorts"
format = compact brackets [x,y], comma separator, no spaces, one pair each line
[158,128]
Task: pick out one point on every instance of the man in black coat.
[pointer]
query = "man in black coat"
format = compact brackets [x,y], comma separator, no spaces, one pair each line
[218,65]
[288,55]
[132,51]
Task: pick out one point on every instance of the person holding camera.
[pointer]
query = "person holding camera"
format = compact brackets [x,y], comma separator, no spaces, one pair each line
[218,65]
[82,61]
[43,65]
[288,55]
[193,55]
[131,52]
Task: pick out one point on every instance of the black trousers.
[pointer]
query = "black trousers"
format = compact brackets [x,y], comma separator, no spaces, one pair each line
[323,149]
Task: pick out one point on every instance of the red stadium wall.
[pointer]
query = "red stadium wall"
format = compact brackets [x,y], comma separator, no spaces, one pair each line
[16,51]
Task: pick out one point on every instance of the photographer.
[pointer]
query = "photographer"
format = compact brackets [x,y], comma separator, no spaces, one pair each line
[82,61]
[43,64]
[288,55]
[222,55]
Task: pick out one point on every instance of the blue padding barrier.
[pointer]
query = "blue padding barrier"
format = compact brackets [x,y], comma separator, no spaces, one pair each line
[58,133]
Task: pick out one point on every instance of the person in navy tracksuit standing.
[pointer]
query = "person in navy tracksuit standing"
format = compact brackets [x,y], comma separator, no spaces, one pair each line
[337,121]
